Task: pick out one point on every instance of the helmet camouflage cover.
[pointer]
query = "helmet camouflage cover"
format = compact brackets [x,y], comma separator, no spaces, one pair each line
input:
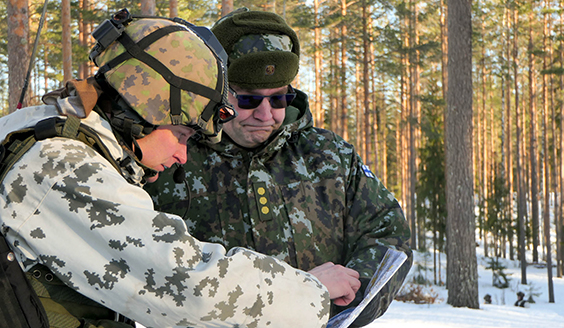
[175,68]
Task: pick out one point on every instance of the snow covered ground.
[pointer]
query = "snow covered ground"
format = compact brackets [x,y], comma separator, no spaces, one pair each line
[501,313]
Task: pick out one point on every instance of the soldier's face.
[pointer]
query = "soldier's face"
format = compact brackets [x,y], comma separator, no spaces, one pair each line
[164,147]
[254,126]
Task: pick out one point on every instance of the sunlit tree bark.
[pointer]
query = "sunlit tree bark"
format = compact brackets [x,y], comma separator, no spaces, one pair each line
[173,8]
[18,57]
[533,144]
[66,40]
[545,161]
[560,218]
[317,65]
[519,172]
[343,93]
[509,124]
[366,105]
[226,7]
[148,7]
[462,270]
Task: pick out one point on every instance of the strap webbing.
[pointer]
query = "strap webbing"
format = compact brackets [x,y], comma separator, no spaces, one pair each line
[137,52]
[21,307]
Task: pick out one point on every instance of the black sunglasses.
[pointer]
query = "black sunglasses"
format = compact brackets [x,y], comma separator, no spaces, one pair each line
[253,101]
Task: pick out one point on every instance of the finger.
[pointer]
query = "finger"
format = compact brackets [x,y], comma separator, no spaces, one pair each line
[345,299]
[355,285]
[340,302]
[351,272]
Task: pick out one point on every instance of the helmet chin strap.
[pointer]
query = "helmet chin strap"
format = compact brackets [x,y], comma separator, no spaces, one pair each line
[136,155]
[149,172]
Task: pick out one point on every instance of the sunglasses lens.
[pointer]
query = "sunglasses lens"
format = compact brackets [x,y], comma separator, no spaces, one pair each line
[249,101]
[253,101]
[281,101]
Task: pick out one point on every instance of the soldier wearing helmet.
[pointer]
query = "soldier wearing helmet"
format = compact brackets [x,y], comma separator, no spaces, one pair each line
[74,214]
[278,185]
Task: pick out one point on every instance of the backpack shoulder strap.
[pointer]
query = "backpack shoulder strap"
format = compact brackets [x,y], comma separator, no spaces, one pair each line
[17,143]
[12,149]
[21,307]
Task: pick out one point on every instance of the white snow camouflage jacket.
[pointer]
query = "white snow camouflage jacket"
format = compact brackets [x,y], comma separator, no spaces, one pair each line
[65,206]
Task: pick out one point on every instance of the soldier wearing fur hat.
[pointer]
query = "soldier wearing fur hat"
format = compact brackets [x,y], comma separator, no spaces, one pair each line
[75,216]
[277,184]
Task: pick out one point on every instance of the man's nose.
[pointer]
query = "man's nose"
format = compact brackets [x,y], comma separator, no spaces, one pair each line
[182,153]
[263,112]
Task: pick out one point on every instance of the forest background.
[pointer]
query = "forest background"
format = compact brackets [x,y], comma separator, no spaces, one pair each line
[390,77]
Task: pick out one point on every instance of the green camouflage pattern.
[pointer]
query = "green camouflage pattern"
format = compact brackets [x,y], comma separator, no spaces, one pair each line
[305,197]
[64,206]
[252,43]
[145,90]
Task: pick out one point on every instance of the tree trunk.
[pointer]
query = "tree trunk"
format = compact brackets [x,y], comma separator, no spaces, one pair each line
[66,40]
[521,206]
[503,165]
[84,27]
[335,124]
[18,56]
[317,60]
[366,124]
[380,124]
[509,145]
[546,191]
[444,49]
[173,8]
[533,147]
[462,273]
[480,162]
[404,127]
[560,218]
[148,7]
[226,7]
[556,171]
[343,74]
[413,123]
[358,108]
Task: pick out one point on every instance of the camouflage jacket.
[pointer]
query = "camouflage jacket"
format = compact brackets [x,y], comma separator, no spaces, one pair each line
[65,206]
[305,197]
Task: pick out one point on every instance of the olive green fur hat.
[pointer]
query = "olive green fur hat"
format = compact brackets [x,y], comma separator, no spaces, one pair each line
[264,52]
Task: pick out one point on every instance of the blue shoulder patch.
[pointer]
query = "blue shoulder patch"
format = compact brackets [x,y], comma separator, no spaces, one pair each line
[367,172]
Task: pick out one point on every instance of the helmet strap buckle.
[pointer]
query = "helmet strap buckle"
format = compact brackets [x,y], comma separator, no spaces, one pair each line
[176,119]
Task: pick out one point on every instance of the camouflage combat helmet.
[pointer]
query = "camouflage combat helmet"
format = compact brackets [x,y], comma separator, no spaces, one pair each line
[167,71]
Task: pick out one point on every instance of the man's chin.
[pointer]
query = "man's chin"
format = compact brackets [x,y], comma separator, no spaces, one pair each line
[260,136]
